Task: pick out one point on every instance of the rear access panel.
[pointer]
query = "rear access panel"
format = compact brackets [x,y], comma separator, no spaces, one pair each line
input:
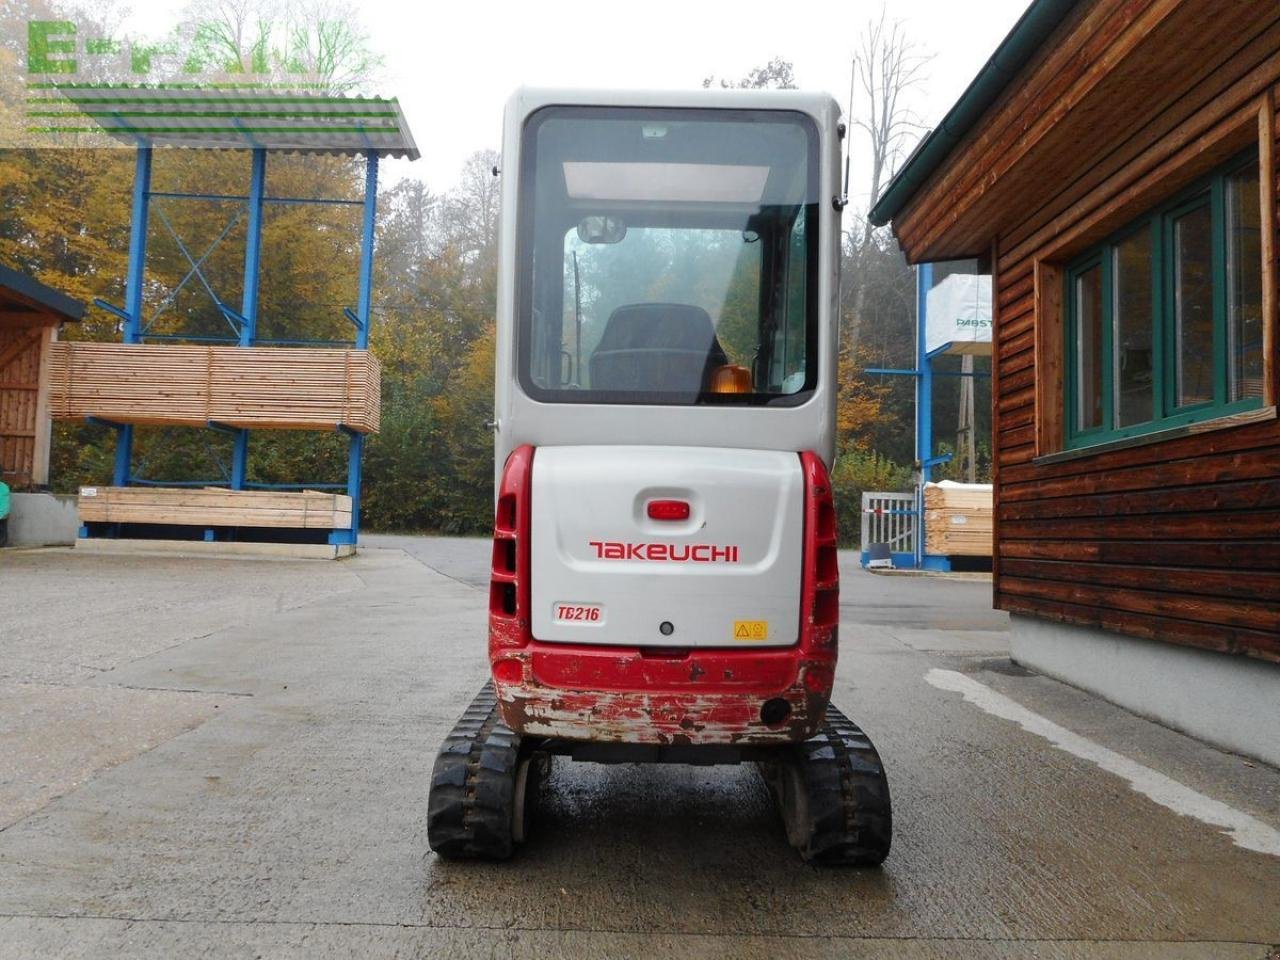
[727,574]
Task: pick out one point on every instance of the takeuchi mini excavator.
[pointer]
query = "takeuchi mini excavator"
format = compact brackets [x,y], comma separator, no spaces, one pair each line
[664,584]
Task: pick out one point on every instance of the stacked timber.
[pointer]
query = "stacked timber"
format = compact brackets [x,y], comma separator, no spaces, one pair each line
[271,388]
[215,507]
[958,519]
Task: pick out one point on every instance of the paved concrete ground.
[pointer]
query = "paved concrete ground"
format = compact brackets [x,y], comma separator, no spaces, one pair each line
[212,758]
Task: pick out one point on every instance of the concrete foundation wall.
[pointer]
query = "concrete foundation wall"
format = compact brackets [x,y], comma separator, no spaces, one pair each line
[1230,701]
[42,520]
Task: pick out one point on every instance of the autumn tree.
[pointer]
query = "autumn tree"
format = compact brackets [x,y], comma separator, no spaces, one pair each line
[463,412]
[432,465]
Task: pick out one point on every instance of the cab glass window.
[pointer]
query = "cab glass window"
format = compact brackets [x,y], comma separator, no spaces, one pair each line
[668,257]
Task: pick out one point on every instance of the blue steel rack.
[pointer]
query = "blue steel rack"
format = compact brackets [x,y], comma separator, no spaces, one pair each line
[231,120]
[245,320]
[237,117]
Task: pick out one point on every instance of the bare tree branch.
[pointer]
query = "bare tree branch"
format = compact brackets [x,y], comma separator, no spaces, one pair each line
[888,66]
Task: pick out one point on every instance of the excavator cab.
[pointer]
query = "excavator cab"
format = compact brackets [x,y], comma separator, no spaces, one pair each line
[664,575]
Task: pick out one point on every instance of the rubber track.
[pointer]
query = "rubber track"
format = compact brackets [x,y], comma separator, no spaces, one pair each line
[472,799]
[848,795]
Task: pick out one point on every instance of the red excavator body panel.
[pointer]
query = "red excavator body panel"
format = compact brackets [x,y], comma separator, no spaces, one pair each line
[661,695]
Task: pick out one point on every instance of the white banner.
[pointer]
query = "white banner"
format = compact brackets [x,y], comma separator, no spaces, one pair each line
[958,312]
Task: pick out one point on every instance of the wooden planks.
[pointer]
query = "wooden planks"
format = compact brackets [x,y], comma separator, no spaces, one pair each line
[958,519]
[1094,75]
[215,507]
[256,387]
[22,453]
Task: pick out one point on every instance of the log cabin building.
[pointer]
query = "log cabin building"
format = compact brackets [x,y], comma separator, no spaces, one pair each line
[30,315]
[1115,166]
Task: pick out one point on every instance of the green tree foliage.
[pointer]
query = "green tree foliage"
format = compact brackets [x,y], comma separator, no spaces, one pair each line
[863,471]
[60,221]
[463,412]
[431,467]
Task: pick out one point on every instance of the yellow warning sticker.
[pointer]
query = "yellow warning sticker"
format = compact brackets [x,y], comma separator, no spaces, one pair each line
[751,630]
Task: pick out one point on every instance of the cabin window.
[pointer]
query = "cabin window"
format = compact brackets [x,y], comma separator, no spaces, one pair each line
[668,257]
[1164,320]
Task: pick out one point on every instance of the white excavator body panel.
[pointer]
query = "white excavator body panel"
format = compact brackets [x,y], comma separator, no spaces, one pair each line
[720,569]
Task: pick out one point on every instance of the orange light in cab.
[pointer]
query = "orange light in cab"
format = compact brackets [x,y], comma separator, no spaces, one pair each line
[730,378]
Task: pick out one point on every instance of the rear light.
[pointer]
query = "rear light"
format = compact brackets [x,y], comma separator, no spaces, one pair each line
[820,592]
[508,671]
[509,573]
[669,510]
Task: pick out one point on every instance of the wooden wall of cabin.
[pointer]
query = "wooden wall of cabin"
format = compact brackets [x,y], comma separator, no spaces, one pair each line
[1178,539]
[24,415]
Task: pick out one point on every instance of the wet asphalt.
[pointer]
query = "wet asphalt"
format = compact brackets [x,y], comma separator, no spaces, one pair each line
[212,758]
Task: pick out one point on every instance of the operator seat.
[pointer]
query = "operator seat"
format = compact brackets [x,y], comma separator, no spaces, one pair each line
[657,347]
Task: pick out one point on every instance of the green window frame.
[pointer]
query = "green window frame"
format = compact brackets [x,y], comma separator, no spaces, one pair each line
[1161,224]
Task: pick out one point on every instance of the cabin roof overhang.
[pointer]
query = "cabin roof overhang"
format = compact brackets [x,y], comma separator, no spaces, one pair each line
[1078,91]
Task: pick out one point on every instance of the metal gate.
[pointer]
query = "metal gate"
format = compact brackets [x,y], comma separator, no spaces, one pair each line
[892,519]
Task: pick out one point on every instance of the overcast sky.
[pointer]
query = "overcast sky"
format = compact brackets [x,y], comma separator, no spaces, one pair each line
[453,64]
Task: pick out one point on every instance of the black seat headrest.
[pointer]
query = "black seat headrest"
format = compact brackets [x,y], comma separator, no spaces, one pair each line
[674,326]
[668,348]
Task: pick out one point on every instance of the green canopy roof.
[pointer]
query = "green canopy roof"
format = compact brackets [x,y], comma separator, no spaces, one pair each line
[226,118]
